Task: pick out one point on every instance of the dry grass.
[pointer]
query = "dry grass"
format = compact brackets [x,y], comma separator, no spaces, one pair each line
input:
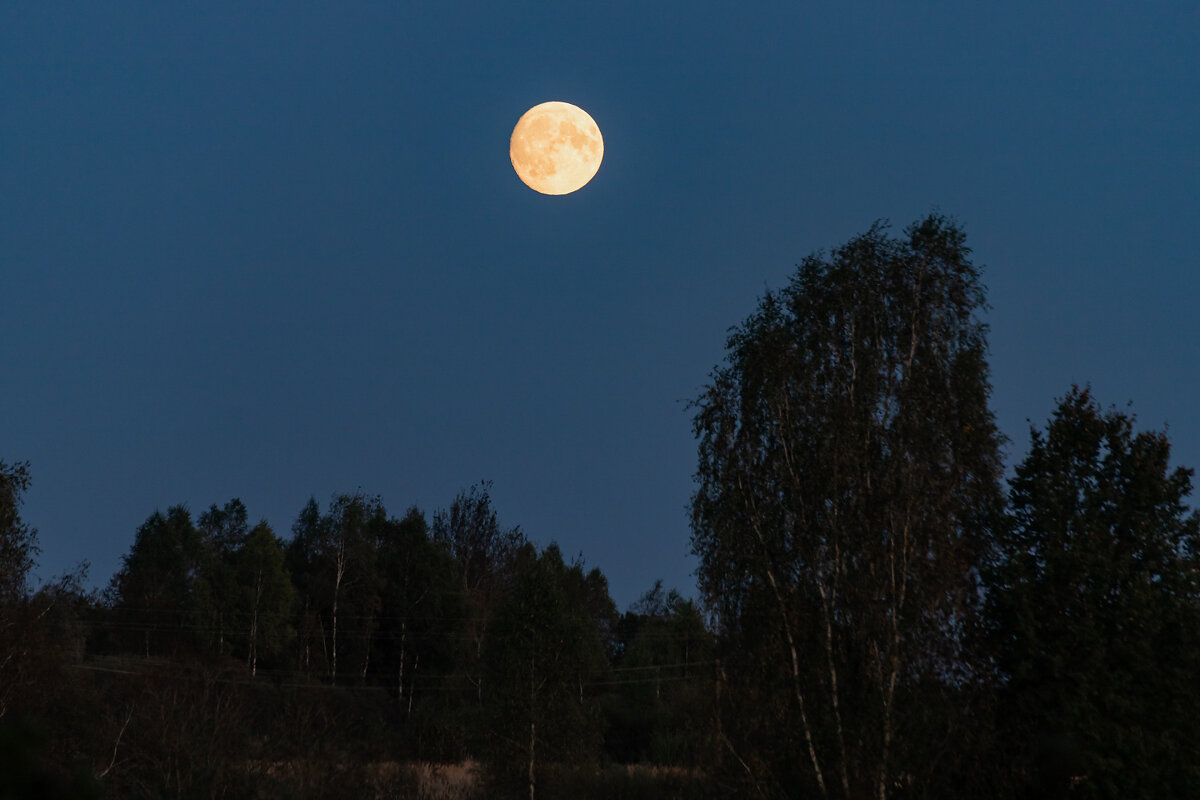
[394,780]
[391,780]
[444,781]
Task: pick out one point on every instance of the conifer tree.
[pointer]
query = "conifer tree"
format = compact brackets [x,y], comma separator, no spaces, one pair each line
[1093,594]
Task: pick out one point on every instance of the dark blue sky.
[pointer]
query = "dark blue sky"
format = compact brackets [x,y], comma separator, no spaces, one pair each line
[277,250]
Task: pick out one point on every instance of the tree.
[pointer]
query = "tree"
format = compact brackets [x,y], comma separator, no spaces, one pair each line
[304,563]
[485,555]
[422,604]
[332,559]
[18,541]
[154,587]
[848,470]
[471,533]
[222,532]
[265,594]
[1093,611]
[18,545]
[543,647]
[661,707]
[225,528]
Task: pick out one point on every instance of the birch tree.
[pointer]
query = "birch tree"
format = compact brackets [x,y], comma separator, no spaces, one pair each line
[223,531]
[332,560]
[484,554]
[18,545]
[422,605]
[848,469]
[18,541]
[544,644]
[265,595]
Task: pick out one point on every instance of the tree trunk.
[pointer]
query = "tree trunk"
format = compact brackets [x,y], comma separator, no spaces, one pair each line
[367,655]
[532,725]
[400,672]
[252,654]
[827,612]
[479,664]
[412,686]
[337,585]
[787,631]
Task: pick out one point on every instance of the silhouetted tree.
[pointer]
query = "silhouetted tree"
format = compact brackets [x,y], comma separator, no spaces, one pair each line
[484,554]
[422,606]
[543,646]
[1093,594]
[661,707]
[304,558]
[18,545]
[18,541]
[265,596]
[332,561]
[153,590]
[225,528]
[216,592]
[848,470]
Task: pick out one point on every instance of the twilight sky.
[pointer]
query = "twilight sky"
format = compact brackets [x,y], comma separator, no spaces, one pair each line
[277,250]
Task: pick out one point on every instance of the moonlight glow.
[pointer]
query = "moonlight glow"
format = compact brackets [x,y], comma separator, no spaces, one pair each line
[556,148]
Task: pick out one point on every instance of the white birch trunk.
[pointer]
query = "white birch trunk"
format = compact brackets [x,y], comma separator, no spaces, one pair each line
[337,585]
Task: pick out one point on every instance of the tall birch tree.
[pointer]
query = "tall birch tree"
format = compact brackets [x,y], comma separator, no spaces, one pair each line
[848,469]
[18,541]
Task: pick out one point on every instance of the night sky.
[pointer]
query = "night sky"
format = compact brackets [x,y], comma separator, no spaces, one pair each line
[277,250]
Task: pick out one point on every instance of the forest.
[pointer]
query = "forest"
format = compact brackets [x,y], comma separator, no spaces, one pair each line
[882,613]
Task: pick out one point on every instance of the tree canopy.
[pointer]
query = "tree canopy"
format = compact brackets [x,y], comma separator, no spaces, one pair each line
[18,541]
[848,470]
[1092,607]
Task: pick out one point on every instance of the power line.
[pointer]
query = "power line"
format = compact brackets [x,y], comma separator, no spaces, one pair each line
[427,680]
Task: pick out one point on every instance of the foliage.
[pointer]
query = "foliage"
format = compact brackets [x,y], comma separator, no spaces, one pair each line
[153,591]
[18,541]
[264,597]
[170,660]
[471,533]
[484,555]
[848,470]
[215,589]
[542,649]
[1094,620]
[332,558]
[660,709]
[422,611]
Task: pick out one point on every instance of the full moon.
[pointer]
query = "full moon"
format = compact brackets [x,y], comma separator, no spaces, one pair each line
[556,148]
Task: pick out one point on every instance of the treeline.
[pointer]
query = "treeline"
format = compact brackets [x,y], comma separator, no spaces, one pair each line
[882,615]
[223,660]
